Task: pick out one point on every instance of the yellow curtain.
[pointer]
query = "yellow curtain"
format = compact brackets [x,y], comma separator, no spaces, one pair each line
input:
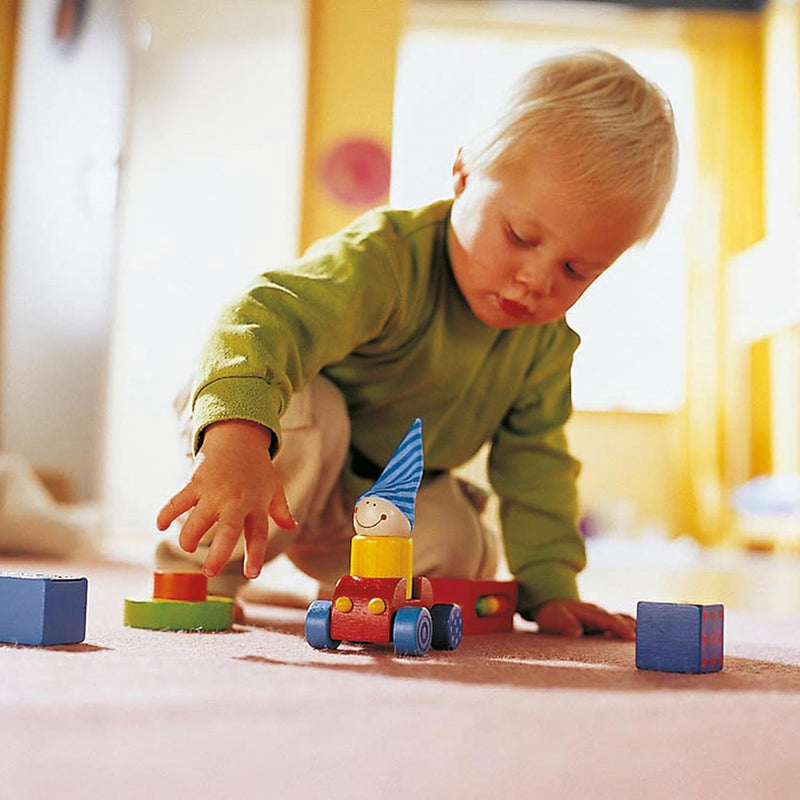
[9,14]
[352,50]
[727,55]
[9,10]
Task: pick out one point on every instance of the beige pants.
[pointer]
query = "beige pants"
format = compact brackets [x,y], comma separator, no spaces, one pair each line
[450,540]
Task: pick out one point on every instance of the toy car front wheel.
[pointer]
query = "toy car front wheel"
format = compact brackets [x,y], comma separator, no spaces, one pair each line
[318,626]
[448,626]
[412,631]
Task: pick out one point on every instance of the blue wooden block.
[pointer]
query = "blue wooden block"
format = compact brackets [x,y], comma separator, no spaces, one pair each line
[679,637]
[42,609]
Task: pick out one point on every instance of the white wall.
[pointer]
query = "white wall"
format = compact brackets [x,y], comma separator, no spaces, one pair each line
[210,197]
[67,128]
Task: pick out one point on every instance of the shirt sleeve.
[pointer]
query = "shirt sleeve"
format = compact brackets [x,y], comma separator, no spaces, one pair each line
[273,340]
[535,479]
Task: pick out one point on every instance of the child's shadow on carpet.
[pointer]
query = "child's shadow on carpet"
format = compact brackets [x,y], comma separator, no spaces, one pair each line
[527,659]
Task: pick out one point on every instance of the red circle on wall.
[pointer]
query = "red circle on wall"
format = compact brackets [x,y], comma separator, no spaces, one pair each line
[357,171]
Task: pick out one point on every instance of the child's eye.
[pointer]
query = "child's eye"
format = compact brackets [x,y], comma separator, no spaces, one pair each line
[573,273]
[513,236]
[517,239]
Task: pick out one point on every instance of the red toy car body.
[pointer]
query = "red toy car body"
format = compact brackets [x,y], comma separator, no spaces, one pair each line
[377,610]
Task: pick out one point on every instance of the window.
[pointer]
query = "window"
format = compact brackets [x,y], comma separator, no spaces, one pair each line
[633,321]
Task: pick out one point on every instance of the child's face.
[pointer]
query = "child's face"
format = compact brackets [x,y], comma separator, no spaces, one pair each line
[523,250]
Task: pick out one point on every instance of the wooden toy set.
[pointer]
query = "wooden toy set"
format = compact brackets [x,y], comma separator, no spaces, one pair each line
[379,601]
[50,610]
[180,602]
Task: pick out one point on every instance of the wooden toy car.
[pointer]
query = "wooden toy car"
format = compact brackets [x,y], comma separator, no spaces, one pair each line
[376,610]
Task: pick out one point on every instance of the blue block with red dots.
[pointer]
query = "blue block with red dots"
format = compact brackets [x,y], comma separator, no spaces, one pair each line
[679,637]
[42,609]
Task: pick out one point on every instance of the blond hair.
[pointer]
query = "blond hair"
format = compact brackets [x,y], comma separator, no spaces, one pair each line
[615,127]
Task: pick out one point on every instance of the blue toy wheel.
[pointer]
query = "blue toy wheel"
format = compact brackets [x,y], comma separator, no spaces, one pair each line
[448,626]
[318,626]
[412,631]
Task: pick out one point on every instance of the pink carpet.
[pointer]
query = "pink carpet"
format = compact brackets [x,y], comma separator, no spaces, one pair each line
[257,713]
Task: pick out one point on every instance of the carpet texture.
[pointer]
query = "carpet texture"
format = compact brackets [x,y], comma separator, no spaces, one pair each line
[257,713]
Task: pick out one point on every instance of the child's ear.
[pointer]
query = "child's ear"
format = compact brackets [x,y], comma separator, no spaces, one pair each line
[460,174]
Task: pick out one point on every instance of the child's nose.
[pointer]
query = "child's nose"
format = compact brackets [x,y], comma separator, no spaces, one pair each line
[537,276]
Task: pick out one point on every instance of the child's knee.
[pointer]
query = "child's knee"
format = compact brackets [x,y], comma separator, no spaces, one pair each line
[450,540]
[316,438]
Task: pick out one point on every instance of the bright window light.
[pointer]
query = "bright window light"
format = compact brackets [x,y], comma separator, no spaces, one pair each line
[633,321]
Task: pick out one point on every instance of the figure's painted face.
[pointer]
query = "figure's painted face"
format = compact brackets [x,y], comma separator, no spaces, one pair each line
[374,516]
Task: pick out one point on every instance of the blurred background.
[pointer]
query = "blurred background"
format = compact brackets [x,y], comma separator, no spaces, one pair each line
[155,155]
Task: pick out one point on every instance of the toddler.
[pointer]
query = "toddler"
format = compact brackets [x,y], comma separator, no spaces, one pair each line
[453,313]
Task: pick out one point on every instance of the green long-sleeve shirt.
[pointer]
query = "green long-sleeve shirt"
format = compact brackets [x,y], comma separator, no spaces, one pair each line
[376,309]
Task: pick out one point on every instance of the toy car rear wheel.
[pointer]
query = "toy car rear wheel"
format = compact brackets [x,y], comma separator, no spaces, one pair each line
[448,626]
[412,631]
[318,626]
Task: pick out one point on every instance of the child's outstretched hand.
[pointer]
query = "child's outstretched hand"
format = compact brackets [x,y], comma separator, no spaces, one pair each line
[235,488]
[574,618]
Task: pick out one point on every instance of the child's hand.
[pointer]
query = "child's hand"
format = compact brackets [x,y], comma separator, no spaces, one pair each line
[574,618]
[234,488]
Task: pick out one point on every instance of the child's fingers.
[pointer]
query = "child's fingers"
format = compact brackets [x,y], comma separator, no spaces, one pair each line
[180,502]
[626,627]
[279,511]
[226,535]
[628,619]
[557,618]
[195,527]
[629,624]
[597,620]
[256,534]
[573,618]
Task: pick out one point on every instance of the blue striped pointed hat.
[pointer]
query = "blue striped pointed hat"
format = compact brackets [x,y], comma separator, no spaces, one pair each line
[400,479]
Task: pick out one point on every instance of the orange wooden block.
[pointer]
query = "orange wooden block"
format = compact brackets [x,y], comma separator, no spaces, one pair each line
[182,585]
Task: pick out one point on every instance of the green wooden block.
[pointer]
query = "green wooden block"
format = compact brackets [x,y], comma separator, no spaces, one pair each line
[213,614]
